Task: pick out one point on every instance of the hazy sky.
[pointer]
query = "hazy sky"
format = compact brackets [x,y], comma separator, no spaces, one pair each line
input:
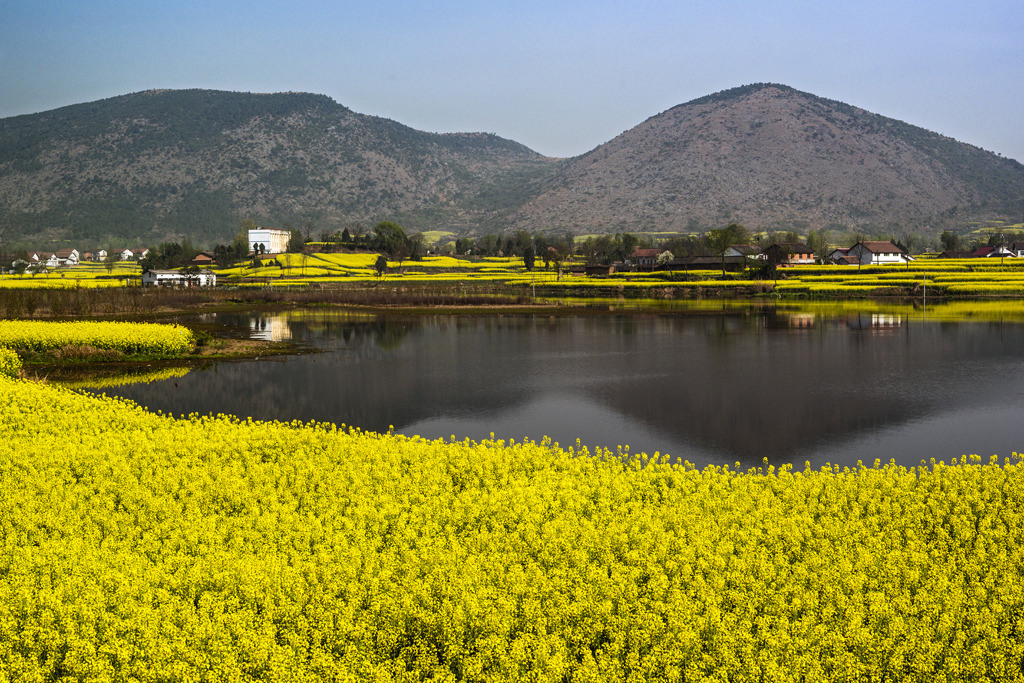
[558,76]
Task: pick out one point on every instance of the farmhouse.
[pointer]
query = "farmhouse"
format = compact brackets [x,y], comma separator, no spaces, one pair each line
[999,251]
[745,250]
[178,278]
[874,253]
[269,240]
[645,258]
[67,257]
[841,257]
[789,254]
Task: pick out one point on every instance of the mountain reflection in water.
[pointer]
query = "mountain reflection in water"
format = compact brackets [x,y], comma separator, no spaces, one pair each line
[734,386]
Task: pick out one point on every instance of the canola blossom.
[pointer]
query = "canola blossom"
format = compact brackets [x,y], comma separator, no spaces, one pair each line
[126,337]
[143,547]
[10,362]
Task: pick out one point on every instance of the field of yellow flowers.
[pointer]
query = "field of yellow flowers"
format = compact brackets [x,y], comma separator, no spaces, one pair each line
[143,547]
[124,337]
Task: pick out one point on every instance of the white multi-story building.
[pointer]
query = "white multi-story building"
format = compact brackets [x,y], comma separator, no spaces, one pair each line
[269,240]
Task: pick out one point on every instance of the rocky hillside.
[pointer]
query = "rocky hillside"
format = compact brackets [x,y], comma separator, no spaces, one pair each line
[769,156]
[167,164]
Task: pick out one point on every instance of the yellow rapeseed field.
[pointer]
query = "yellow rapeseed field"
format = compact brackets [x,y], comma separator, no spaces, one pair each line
[142,547]
[126,337]
[10,362]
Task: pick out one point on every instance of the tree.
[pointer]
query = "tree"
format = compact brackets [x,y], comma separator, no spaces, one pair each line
[817,241]
[241,240]
[624,246]
[388,237]
[416,246]
[380,265]
[529,257]
[401,252]
[720,240]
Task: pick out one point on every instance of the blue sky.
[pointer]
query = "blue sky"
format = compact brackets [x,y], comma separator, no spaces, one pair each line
[559,77]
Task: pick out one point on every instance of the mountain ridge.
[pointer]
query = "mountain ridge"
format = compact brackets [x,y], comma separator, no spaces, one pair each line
[165,164]
[770,156]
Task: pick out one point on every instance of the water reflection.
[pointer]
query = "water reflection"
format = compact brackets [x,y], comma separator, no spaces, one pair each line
[716,387]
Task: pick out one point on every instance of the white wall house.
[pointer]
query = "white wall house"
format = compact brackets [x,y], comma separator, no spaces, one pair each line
[745,250]
[875,253]
[177,278]
[68,257]
[269,240]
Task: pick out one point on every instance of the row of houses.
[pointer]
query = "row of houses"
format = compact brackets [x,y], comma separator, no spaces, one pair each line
[779,254]
[1016,250]
[72,257]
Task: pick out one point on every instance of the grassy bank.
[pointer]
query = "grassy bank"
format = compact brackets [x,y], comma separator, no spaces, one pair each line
[142,547]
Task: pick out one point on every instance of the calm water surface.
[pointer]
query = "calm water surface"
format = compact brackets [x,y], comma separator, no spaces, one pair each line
[714,387]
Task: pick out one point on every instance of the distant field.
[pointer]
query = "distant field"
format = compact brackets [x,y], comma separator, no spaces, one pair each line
[927,276]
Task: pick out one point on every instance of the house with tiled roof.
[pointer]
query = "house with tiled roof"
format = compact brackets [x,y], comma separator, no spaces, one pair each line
[645,258]
[877,252]
[745,250]
[841,257]
[67,257]
[789,254]
[998,251]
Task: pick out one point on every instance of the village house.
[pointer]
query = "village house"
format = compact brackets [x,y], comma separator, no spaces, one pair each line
[998,251]
[645,258]
[789,254]
[841,257]
[131,254]
[178,278]
[67,257]
[877,253]
[53,259]
[744,250]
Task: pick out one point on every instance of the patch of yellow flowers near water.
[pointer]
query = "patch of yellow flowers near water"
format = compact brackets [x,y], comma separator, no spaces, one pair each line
[126,337]
[137,546]
[10,362]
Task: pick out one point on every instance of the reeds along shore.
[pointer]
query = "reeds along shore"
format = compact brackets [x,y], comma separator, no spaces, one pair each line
[58,303]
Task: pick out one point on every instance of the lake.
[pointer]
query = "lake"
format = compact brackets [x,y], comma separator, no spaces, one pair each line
[705,383]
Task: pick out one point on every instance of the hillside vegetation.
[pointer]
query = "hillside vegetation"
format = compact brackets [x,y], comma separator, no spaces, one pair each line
[162,165]
[166,164]
[771,157]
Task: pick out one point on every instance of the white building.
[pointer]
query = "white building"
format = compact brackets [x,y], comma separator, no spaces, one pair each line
[269,240]
[68,257]
[874,253]
[177,278]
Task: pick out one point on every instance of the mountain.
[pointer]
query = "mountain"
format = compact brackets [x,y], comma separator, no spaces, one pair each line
[769,156]
[168,164]
[165,164]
